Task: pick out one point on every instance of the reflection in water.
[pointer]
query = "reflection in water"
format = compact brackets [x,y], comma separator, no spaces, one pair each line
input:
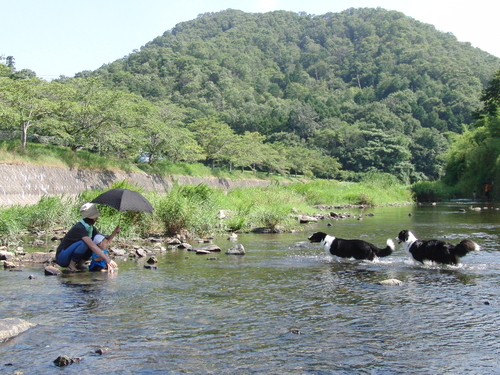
[84,292]
[238,315]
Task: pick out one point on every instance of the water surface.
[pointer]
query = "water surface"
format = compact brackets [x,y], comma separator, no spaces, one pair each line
[284,308]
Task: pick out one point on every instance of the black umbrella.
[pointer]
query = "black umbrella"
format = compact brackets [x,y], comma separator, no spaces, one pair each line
[124,200]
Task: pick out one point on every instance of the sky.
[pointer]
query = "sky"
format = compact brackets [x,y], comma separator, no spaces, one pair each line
[64,37]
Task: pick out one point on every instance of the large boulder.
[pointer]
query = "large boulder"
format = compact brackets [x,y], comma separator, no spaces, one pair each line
[11,327]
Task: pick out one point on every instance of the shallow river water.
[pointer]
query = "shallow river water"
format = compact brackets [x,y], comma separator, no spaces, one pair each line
[284,308]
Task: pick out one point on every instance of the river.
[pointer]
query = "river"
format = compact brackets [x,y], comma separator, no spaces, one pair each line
[283,308]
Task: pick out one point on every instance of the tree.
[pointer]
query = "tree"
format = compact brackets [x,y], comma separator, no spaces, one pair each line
[302,160]
[215,137]
[428,150]
[275,158]
[27,102]
[372,150]
[326,167]
[5,70]
[248,151]
[168,141]
[303,120]
[474,156]
[490,98]
[98,118]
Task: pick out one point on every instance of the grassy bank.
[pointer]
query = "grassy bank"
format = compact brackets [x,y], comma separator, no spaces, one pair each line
[201,210]
[59,156]
[196,210]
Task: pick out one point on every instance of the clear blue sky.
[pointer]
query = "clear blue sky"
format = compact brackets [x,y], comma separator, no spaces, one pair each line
[63,37]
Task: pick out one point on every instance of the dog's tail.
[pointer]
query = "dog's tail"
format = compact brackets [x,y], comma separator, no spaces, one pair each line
[464,247]
[387,250]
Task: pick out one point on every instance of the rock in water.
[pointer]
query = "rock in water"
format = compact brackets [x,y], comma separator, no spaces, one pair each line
[236,250]
[391,282]
[11,327]
[52,271]
[64,360]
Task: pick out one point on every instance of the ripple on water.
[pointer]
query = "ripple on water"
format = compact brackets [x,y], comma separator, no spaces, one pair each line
[280,309]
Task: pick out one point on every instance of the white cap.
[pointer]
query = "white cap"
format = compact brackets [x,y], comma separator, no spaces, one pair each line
[98,238]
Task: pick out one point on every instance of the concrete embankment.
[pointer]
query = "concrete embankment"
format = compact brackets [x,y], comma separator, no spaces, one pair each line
[26,184]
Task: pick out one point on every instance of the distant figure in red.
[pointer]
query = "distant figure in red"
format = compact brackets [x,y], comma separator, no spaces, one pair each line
[487,187]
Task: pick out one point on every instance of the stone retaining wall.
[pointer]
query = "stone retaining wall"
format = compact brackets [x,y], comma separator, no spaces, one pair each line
[25,184]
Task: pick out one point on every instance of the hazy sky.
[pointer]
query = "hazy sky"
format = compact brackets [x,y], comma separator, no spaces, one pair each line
[64,37]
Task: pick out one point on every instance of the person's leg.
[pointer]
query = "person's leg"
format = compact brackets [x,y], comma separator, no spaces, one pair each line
[73,255]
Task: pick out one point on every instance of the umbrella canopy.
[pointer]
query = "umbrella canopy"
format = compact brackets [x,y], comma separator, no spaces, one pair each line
[124,200]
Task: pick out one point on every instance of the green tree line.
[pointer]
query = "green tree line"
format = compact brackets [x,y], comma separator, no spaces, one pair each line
[474,156]
[83,113]
[336,95]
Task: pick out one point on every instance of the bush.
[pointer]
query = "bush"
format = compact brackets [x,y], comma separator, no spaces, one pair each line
[373,189]
[189,208]
[48,212]
[10,226]
[427,191]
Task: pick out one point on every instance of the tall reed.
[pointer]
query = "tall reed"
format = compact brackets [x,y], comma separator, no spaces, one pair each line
[202,210]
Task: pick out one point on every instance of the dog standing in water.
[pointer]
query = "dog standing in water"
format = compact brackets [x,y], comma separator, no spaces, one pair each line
[435,250]
[357,249]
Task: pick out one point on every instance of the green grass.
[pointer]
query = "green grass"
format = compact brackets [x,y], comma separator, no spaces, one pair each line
[374,190]
[11,226]
[434,191]
[195,210]
[192,210]
[58,156]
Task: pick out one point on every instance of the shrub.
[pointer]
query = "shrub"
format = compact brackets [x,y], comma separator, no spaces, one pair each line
[432,191]
[189,208]
[48,212]
[10,226]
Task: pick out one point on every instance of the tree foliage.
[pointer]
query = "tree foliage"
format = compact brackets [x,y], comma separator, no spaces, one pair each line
[474,158]
[364,90]
[25,103]
[296,73]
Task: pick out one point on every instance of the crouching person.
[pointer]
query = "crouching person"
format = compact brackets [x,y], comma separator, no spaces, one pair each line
[77,245]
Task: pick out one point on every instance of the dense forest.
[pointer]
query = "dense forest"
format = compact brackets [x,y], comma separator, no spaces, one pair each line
[336,95]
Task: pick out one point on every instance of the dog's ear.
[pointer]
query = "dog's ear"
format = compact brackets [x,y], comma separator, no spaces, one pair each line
[404,235]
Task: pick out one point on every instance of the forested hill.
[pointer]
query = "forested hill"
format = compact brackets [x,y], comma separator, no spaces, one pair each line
[374,88]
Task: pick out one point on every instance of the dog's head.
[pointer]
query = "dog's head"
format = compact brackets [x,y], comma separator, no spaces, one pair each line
[317,237]
[404,236]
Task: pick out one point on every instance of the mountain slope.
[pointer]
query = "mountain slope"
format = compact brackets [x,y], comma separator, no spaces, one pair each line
[364,85]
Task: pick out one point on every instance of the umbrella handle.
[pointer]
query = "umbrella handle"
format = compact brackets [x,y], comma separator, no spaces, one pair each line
[119,220]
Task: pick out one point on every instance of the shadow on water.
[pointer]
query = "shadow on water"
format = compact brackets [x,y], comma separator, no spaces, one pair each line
[284,308]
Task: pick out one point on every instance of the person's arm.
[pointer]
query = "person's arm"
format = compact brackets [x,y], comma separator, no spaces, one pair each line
[96,249]
[114,233]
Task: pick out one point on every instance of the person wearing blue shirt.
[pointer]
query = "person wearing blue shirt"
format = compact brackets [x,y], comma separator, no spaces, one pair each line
[98,263]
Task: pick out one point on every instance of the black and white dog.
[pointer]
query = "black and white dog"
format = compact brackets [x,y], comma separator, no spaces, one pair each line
[435,250]
[357,249]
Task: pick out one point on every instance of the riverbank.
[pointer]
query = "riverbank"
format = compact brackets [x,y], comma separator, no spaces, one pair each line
[25,184]
[194,208]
